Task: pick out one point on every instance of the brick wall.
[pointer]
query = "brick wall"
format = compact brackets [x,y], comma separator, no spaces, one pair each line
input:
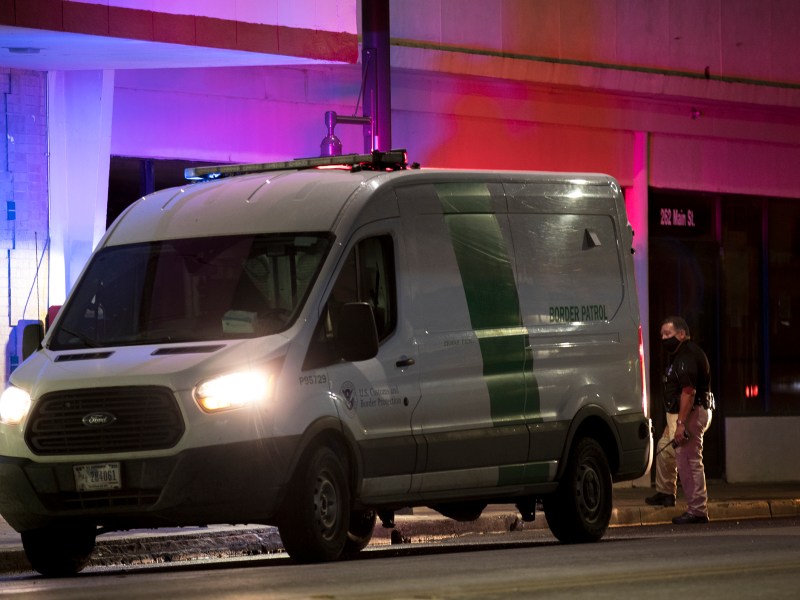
[23,204]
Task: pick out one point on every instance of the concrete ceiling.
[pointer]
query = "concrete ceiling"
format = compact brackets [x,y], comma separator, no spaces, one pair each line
[42,50]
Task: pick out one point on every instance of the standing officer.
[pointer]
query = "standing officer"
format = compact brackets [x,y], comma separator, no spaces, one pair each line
[689,403]
[666,467]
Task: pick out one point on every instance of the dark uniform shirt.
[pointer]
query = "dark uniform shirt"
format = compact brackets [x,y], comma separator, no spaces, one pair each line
[688,367]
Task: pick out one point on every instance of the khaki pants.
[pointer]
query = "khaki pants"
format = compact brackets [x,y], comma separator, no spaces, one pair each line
[666,466]
[689,457]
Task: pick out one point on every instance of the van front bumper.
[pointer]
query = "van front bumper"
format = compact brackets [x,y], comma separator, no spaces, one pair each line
[230,483]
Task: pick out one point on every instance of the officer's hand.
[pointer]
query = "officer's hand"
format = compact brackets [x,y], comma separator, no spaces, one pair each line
[681,435]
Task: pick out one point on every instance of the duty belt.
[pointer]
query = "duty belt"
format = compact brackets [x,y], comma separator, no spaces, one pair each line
[705,400]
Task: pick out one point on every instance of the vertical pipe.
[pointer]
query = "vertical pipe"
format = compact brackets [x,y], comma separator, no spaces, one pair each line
[375,65]
[147,177]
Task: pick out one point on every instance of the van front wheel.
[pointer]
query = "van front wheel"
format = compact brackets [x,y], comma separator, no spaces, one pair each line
[316,515]
[362,523]
[580,509]
[59,550]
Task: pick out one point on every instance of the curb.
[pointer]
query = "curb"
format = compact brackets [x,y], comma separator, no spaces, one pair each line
[13,561]
[719,511]
[785,508]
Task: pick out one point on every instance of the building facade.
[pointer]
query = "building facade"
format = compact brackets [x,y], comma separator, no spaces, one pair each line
[693,105]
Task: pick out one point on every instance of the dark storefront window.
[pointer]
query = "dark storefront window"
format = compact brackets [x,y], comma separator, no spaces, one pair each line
[784,306]
[730,266]
[684,254]
[741,385]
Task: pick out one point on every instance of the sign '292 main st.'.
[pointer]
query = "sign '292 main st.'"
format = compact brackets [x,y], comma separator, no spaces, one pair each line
[677,217]
[682,216]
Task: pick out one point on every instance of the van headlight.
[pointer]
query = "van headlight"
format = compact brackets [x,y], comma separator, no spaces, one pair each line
[14,405]
[233,390]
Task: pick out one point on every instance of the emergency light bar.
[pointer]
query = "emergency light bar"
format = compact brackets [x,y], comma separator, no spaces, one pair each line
[376,161]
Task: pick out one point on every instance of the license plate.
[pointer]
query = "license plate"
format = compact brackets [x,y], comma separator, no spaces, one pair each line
[97,477]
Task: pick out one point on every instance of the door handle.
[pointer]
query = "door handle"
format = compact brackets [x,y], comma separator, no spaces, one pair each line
[406,361]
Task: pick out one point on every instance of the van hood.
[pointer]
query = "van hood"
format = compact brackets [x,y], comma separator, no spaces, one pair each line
[176,366]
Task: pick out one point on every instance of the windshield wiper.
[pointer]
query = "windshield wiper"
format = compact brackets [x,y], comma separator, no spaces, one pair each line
[82,337]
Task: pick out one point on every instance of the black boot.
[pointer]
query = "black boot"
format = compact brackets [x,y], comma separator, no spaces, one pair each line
[661,499]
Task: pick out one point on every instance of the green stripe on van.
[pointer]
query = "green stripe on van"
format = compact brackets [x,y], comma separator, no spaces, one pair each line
[491,293]
[527,473]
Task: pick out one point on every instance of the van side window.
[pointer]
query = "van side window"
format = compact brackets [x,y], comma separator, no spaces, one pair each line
[367,276]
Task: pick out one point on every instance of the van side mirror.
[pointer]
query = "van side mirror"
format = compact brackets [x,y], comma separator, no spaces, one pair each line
[32,336]
[357,333]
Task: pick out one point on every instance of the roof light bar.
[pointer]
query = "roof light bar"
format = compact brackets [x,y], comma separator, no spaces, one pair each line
[376,161]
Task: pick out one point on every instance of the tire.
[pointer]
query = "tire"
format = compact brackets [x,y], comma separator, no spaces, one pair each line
[316,514]
[362,523]
[59,551]
[580,509]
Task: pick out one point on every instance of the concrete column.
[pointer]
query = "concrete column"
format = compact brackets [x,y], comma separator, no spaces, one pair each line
[637,207]
[79,136]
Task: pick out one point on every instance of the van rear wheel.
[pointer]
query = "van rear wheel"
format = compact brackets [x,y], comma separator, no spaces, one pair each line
[316,514]
[59,550]
[580,509]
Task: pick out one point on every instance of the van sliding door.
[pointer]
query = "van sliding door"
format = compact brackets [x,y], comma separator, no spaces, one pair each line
[474,355]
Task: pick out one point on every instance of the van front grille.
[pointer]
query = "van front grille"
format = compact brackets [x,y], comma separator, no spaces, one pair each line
[103,420]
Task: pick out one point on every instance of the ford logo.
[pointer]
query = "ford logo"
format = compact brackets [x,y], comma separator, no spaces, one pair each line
[98,419]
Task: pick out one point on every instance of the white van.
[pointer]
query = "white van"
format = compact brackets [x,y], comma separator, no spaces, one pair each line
[311,347]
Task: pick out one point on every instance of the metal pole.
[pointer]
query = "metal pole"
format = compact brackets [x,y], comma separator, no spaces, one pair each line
[375,65]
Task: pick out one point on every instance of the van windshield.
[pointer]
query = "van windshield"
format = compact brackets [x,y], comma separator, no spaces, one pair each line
[190,290]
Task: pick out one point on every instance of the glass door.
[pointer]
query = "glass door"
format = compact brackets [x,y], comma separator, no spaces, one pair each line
[684,256]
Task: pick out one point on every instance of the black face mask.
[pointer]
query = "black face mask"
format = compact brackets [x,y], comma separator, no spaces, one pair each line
[670,344]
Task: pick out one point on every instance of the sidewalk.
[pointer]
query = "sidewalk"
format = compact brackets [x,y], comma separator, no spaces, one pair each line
[726,502]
